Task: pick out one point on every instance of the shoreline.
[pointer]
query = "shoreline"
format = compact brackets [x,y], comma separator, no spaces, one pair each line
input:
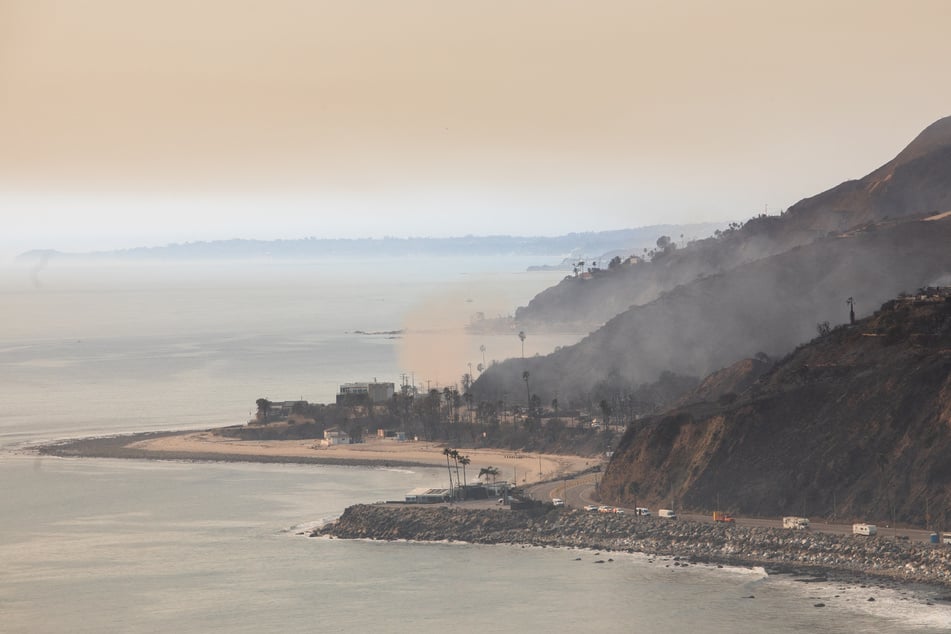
[821,556]
[207,446]
[779,551]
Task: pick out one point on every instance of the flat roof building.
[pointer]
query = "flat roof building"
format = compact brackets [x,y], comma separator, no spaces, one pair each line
[352,393]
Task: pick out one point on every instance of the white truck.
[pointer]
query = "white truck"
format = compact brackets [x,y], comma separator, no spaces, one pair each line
[796,523]
[666,513]
[864,529]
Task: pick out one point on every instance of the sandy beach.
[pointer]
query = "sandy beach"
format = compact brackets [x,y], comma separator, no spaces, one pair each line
[527,468]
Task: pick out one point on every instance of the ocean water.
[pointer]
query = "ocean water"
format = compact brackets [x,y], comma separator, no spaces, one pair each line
[90,545]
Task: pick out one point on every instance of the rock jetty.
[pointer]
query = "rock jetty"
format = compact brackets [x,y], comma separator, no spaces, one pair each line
[775,549]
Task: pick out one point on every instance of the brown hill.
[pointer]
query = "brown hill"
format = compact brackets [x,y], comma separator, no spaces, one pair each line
[914,182]
[857,423]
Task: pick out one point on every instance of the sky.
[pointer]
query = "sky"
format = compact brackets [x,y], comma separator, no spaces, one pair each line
[132,123]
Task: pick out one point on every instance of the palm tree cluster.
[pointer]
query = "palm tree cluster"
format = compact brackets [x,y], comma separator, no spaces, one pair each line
[458,459]
[489,472]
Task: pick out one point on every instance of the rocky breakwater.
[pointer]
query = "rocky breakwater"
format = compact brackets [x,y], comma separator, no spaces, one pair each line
[776,549]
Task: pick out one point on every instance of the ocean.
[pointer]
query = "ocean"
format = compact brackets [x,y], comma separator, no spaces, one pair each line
[94,545]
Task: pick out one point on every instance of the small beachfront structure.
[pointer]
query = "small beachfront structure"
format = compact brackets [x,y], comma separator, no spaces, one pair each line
[335,436]
[426,495]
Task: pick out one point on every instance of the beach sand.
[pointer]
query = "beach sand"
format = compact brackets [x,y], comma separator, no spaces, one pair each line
[206,445]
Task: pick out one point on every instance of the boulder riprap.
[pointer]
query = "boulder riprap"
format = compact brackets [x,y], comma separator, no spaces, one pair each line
[773,548]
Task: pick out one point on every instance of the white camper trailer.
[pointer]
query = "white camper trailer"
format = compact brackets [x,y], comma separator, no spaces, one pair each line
[796,523]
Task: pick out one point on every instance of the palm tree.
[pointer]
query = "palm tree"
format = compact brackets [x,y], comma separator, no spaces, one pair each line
[455,457]
[464,460]
[528,394]
[467,397]
[482,350]
[447,396]
[488,472]
[448,453]
[521,335]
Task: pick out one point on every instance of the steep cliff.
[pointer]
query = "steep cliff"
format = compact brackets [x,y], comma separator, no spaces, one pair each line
[856,423]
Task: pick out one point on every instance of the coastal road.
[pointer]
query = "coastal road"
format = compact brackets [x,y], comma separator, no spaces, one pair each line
[577,492]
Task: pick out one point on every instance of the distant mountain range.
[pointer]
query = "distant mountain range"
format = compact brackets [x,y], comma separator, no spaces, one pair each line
[590,245]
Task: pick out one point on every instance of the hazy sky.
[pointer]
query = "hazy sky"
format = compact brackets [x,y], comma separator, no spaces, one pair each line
[126,122]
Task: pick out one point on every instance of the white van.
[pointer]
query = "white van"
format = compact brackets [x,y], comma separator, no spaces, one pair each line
[666,513]
[864,529]
[642,511]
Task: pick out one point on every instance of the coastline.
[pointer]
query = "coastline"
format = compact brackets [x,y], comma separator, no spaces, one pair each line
[208,446]
[821,556]
[817,555]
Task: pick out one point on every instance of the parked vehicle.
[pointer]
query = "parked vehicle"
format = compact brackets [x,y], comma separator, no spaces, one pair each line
[723,517]
[605,509]
[669,514]
[946,538]
[642,511]
[591,507]
[864,529]
[557,502]
[796,523]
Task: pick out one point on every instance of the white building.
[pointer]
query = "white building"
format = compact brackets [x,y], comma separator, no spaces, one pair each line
[335,436]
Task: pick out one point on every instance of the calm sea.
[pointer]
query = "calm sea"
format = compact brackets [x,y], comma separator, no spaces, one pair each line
[106,545]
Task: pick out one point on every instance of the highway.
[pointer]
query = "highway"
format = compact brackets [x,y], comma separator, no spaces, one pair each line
[580,491]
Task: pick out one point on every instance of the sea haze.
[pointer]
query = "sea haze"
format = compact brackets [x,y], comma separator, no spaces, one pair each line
[122,347]
[90,545]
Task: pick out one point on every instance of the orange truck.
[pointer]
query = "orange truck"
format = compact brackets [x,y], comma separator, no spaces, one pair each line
[722,517]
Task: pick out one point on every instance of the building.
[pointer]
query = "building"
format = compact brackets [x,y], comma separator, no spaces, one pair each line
[427,496]
[335,436]
[359,393]
[391,434]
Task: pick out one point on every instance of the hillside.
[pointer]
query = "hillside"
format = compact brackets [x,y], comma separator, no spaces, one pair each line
[767,306]
[760,287]
[916,182]
[855,423]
